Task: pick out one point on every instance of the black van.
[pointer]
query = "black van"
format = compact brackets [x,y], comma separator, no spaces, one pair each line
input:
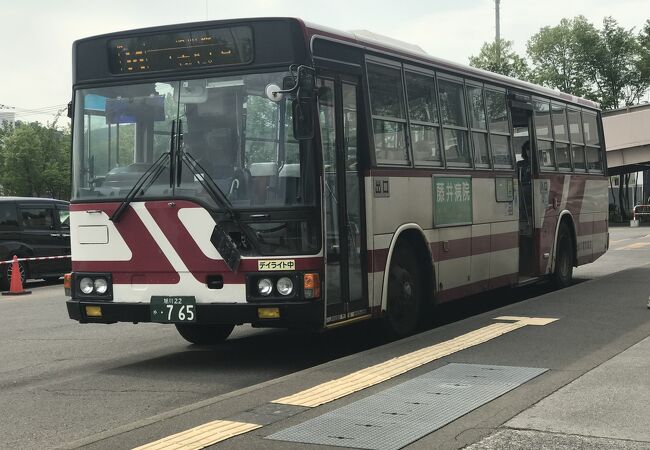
[32,227]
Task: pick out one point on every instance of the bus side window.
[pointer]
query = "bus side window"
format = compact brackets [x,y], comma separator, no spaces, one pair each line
[544,134]
[498,123]
[479,126]
[577,140]
[454,123]
[594,150]
[423,116]
[560,131]
[388,114]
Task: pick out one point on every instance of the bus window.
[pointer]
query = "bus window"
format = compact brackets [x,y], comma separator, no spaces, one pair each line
[594,162]
[388,118]
[479,127]
[577,140]
[423,114]
[594,156]
[546,157]
[590,129]
[544,135]
[497,118]
[454,124]
[560,130]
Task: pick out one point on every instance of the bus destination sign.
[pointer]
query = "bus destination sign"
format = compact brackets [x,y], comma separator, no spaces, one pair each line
[452,200]
[181,50]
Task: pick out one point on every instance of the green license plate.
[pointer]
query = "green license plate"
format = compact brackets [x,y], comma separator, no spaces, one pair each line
[173,309]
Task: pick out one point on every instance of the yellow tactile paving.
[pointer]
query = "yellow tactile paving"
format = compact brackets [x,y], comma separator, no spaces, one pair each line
[202,436]
[361,379]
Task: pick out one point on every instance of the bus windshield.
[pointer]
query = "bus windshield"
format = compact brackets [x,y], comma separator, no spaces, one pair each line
[240,138]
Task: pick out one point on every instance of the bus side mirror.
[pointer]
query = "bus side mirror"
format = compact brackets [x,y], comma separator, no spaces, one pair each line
[70,110]
[302,107]
[303,118]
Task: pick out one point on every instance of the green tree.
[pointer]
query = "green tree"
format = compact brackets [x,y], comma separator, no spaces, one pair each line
[610,65]
[558,57]
[35,160]
[612,59]
[501,58]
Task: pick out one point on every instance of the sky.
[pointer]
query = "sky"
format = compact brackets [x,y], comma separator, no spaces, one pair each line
[36,35]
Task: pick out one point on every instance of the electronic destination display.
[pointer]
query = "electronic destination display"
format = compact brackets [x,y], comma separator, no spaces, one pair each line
[181,50]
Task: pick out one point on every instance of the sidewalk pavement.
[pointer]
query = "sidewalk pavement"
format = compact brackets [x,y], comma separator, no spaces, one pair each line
[606,408]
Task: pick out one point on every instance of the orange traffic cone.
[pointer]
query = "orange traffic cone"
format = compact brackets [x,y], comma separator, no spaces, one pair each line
[16,285]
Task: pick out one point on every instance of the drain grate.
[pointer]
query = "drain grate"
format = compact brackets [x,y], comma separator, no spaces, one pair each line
[394,418]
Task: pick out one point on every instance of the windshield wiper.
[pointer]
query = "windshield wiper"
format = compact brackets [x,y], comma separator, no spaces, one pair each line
[220,239]
[152,173]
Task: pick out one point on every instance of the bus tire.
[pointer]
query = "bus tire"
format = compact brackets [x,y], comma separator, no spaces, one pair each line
[404,296]
[204,334]
[563,274]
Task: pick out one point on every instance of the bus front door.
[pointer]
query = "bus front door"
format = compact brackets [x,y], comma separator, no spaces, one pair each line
[343,193]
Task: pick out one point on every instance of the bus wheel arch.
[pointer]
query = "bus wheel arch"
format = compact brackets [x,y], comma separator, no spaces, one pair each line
[412,238]
[565,256]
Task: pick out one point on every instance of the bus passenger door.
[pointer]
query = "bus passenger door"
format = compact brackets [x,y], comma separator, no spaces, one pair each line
[522,126]
[343,193]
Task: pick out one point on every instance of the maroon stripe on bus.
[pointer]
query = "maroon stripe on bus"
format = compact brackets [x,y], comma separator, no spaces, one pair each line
[193,257]
[600,226]
[595,227]
[377,259]
[458,248]
[146,256]
[504,241]
[476,287]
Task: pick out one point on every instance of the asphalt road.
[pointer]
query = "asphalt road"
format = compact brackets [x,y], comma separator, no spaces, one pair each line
[61,381]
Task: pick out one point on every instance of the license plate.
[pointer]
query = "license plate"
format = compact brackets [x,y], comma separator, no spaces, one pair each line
[173,309]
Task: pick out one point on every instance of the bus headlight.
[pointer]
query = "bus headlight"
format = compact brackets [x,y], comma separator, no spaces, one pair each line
[265,287]
[285,286]
[101,286]
[86,285]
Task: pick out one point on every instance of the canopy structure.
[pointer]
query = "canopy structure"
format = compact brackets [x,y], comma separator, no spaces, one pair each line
[627,137]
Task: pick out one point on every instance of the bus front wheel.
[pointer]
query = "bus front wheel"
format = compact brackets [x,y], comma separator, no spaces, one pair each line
[204,334]
[404,292]
[563,273]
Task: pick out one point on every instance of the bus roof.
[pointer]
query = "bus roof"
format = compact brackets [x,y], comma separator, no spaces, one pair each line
[382,44]
[377,43]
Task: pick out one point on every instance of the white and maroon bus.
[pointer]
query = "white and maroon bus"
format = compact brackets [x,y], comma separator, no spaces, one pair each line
[282,174]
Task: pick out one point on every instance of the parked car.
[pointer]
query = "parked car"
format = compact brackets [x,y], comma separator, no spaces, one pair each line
[33,227]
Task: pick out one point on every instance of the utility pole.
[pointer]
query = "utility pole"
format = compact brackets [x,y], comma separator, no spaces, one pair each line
[497,5]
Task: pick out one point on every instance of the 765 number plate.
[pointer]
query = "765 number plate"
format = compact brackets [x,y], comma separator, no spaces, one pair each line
[173,309]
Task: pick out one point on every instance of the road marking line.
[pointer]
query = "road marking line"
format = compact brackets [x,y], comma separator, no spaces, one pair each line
[634,246]
[370,376]
[202,436]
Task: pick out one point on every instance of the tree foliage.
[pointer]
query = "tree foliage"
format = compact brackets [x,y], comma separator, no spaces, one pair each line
[501,58]
[557,57]
[35,160]
[610,65]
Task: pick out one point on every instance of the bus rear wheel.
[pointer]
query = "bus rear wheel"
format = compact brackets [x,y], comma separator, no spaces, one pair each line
[404,300]
[204,334]
[563,274]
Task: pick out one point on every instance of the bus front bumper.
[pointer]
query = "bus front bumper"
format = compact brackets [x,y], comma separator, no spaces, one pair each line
[305,314]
